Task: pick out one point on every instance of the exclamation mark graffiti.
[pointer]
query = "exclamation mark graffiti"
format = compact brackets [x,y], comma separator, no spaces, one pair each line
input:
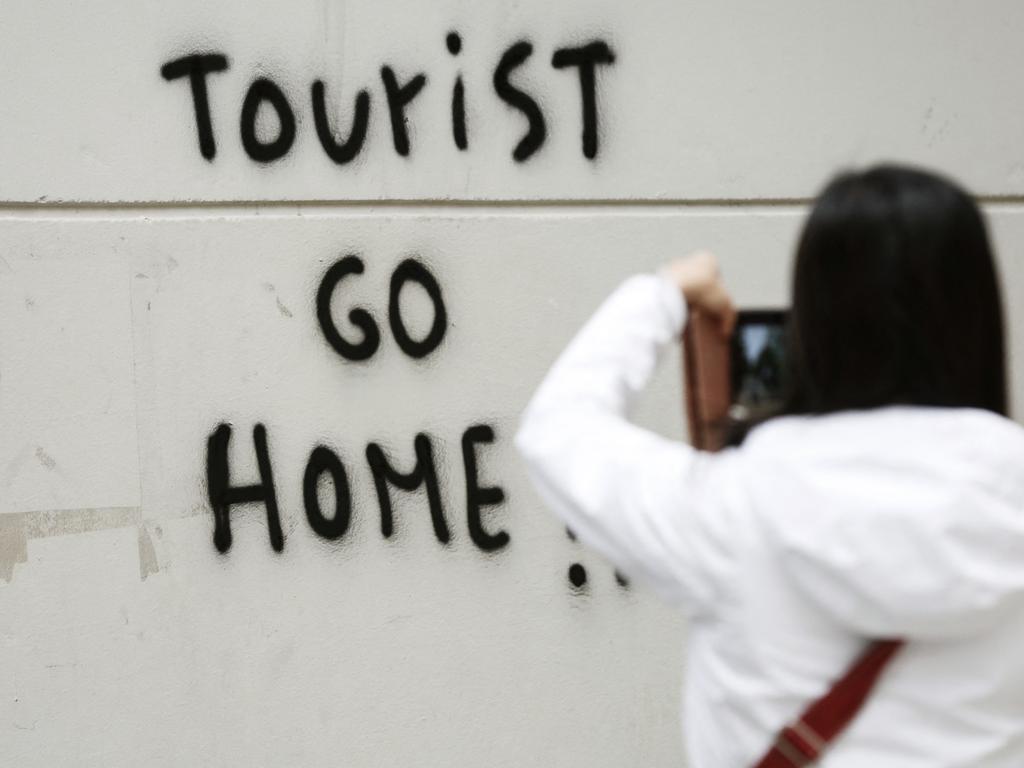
[578,574]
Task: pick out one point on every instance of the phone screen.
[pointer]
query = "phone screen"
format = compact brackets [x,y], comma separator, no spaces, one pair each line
[757,358]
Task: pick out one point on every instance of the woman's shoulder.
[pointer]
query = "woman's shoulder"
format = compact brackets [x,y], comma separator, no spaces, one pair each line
[901,519]
[880,428]
[867,453]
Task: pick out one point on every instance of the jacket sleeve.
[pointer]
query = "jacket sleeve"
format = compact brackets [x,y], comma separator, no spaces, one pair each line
[640,499]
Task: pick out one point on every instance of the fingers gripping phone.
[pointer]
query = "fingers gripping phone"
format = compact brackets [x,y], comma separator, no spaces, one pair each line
[730,381]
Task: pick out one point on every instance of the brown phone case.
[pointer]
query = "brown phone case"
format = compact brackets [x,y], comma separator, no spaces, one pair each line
[707,378]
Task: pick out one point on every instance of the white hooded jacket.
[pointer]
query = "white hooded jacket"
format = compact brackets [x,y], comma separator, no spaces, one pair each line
[792,551]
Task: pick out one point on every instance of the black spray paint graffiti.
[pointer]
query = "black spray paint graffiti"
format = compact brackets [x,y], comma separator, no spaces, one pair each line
[399,93]
[578,574]
[385,472]
[408,271]
[324,463]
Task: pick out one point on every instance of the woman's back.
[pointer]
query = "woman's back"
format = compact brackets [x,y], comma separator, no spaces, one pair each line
[900,522]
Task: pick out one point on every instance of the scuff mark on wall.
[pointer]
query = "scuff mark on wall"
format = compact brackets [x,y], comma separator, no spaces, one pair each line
[18,528]
[269,288]
[13,545]
[62,522]
[45,459]
[283,309]
[147,554]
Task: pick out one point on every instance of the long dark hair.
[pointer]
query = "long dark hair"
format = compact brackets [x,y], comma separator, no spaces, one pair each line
[895,299]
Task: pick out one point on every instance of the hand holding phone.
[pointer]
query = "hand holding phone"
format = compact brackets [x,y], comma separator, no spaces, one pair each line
[699,280]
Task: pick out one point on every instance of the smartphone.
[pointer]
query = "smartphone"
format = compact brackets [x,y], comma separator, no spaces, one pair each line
[757,357]
[732,381]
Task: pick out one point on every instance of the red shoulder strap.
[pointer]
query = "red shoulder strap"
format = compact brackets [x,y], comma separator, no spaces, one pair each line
[801,742]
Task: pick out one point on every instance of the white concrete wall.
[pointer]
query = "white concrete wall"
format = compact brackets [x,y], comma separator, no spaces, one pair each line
[149,295]
[704,100]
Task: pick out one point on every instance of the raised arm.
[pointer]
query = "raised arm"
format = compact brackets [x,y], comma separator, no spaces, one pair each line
[644,501]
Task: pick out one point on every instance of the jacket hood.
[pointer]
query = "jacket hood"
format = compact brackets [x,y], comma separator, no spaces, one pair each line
[899,521]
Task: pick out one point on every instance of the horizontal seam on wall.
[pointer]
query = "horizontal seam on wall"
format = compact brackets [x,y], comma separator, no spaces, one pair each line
[197,209]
